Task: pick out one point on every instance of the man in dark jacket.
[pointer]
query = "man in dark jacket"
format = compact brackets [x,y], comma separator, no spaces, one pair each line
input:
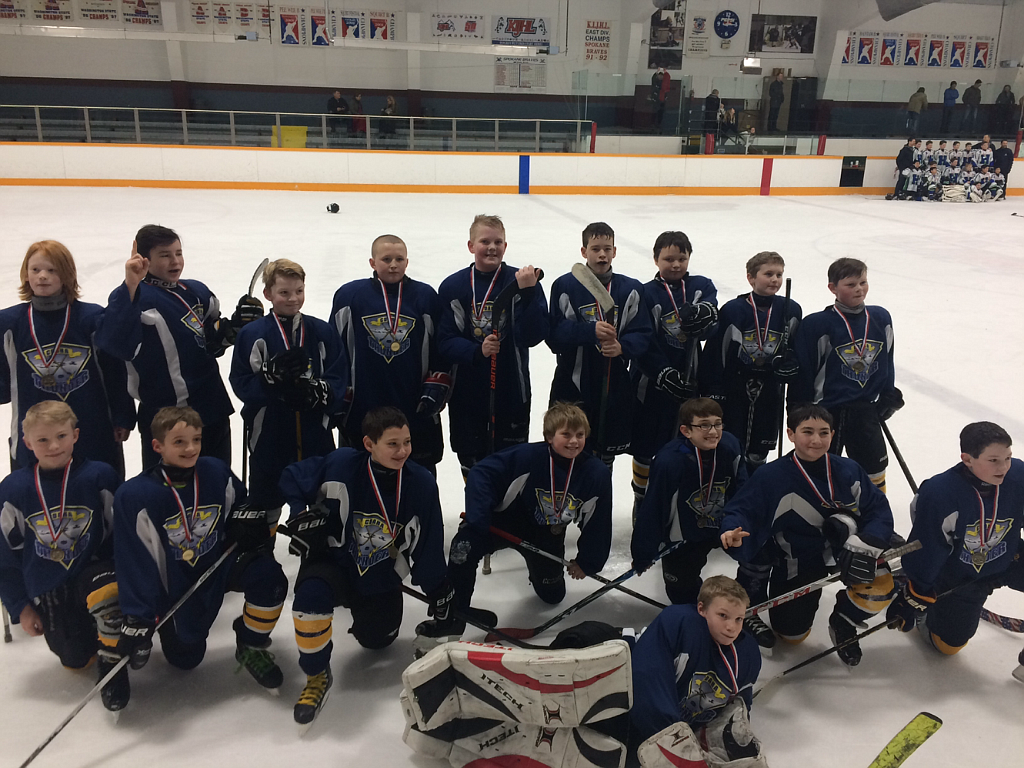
[336,105]
[1004,109]
[972,98]
[1002,158]
[904,160]
[949,97]
[776,95]
[711,106]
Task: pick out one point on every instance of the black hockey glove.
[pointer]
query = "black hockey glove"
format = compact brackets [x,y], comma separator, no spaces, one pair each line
[247,309]
[309,531]
[442,600]
[785,366]
[136,640]
[288,366]
[694,319]
[585,635]
[670,380]
[435,393]
[248,528]
[888,403]
[857,560]
[909,606]
[316,394]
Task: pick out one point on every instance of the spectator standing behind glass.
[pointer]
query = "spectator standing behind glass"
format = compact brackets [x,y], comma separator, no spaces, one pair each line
[358,122]
[918,102]
[949,97]
[729,123]
[972,98]
[387,127]
[711,105]
[336,105]
[776,96]
[661,81]
[1004,109]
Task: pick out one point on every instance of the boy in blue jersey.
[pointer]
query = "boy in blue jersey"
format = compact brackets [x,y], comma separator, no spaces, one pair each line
[388,326]
[845,354]
[170,333]
[171,524]
[968,520]
[362,520]
[468,340]
[290,372]
[56,550]
[748,360]
[535,492]
[594,350]
[682,311]
[814,507]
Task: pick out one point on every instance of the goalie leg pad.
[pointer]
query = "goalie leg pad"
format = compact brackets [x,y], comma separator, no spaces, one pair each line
[727,742]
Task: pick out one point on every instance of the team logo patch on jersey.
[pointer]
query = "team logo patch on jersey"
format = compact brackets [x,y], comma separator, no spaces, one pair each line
[373,540]
[977,554]
[482,326]
[569,507]
[705,694]
[751,354]
[200,537]
[672,330]
[860,359]
[191,320]
[64,374]
[385,343]
[589,313]
[72,534]
[709,515]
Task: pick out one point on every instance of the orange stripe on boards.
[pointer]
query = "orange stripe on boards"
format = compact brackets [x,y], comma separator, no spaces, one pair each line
[510,189]
[727,191]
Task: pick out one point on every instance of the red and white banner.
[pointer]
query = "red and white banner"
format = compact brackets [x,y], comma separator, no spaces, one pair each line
[52,10]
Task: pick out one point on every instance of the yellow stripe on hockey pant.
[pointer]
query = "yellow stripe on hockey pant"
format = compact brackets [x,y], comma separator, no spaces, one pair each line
[874,597]
[879,480]
[641,473]
[944,648]
[261,619]
[313,631]
[794,639]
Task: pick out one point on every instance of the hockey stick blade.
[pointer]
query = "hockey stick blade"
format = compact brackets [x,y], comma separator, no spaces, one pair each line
[914,734]
[256,275]
[1006,622]
[589,281]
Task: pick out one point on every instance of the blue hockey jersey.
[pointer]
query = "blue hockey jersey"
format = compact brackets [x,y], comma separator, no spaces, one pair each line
[518,481]
[965,535]
[39,550]
[377,547]
[169,338]
[777,503]
[581,371]
[837,370]
[161,549]
[684,501]
[89,380]
[680,674]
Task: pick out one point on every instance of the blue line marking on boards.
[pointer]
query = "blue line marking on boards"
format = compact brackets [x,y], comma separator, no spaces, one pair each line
[524,174]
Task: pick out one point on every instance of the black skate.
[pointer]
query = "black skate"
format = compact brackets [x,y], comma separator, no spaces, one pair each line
[760,631]
[312,699]
[259,663]
[842,630]
[117,692]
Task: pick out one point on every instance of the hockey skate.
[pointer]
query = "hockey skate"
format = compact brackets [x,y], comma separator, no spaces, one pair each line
[312,699]
[842,630]
[117,692]
[760,631]
[259,663]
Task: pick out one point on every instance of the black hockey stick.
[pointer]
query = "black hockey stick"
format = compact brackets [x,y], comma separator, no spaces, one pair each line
[245,427]
[469,619]
[7,623]
[781,350]
[125,659]
[898,455]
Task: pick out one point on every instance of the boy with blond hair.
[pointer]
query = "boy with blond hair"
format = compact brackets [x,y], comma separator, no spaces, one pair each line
[290,372]
[56,550]
[468,339]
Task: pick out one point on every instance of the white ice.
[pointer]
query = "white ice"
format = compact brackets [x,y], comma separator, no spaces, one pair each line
[951,275]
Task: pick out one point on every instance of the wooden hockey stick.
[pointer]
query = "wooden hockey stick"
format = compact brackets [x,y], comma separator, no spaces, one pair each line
[605,301]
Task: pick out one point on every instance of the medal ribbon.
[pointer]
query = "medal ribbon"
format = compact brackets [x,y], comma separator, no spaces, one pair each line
[828,473]
[734,668]
[672,298]
[762,339]
[565,491]
[191,311]
[700,476]
[284,336]
[60,340]
[479,314]
[849,329]
[63,498]
[181,507]
[380,499]
[984,532]
[393,326]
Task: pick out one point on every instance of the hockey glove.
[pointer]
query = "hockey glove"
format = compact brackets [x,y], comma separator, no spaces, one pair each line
[585,635]
[442,601]
[837,529]
[309,531]
[435,393]
[247,309]
[694,319]
[909,606]
[888,403]
[316,393]
[671,381]
[136,640]
[248,528]
[288,366]
[785,366]
[857,560]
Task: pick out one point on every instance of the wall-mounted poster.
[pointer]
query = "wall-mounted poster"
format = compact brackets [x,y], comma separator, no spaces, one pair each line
[697,42]
[867,47]
[958,51]
[782,34]
[938,51]
[597,40]
[318,26]
[890,50]
[462,26]
[13,10]
[52,10]
[379,25]
[981,52]
[520,73]
[521,30]
[293,25]
[200,13]
[98,10]
[144,13]
[246,16]
[665,40]
[847,50]
[913,50]
[346,24]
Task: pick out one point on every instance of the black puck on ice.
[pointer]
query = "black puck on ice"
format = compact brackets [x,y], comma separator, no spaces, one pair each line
[333,208]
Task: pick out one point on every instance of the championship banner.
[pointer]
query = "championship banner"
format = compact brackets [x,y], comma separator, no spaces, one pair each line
[246,16]
[293,26]
[200,13]
[846,50]
[379,25]
[98,10]
[318,26]
[867,48]
[346,24]
[697,42]
[981,55]
[13,10]
[958,51]
[597,40]
[890,54]
[521,30]
[52,10]
[141,12]
[266,18]
[462,26]
[938,51]
[222,15]
[913,50]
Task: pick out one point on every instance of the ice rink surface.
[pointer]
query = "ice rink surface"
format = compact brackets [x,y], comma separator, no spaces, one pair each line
[951,275]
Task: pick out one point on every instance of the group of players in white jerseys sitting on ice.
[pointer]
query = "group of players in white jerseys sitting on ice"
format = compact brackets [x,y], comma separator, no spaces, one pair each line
[694,393]
[975,174]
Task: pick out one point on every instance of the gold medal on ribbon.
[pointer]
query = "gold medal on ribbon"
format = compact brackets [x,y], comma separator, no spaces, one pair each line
[979,558]
[187,555]
[57,555]
[478,331]
[49,380]
[395,346]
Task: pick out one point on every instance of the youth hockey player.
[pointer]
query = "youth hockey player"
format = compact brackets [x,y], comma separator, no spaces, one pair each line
[362,520]
[749,359]
[682,310]
[594,350]
[50,353]
[56,550]
[290,372]
[388,325]
[911,183]
[927,154]
[813,506]
[170,332]
[468,340]
[932,184]
[996,185]
[942,155]
[534,492]
[968,520]
[846,365]
[171,524]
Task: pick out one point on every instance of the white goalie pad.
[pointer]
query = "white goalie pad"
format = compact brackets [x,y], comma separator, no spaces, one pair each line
[725,742]
[555,689]
[954,194]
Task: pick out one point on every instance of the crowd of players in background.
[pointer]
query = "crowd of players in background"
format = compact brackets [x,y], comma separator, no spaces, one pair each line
[976,173]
